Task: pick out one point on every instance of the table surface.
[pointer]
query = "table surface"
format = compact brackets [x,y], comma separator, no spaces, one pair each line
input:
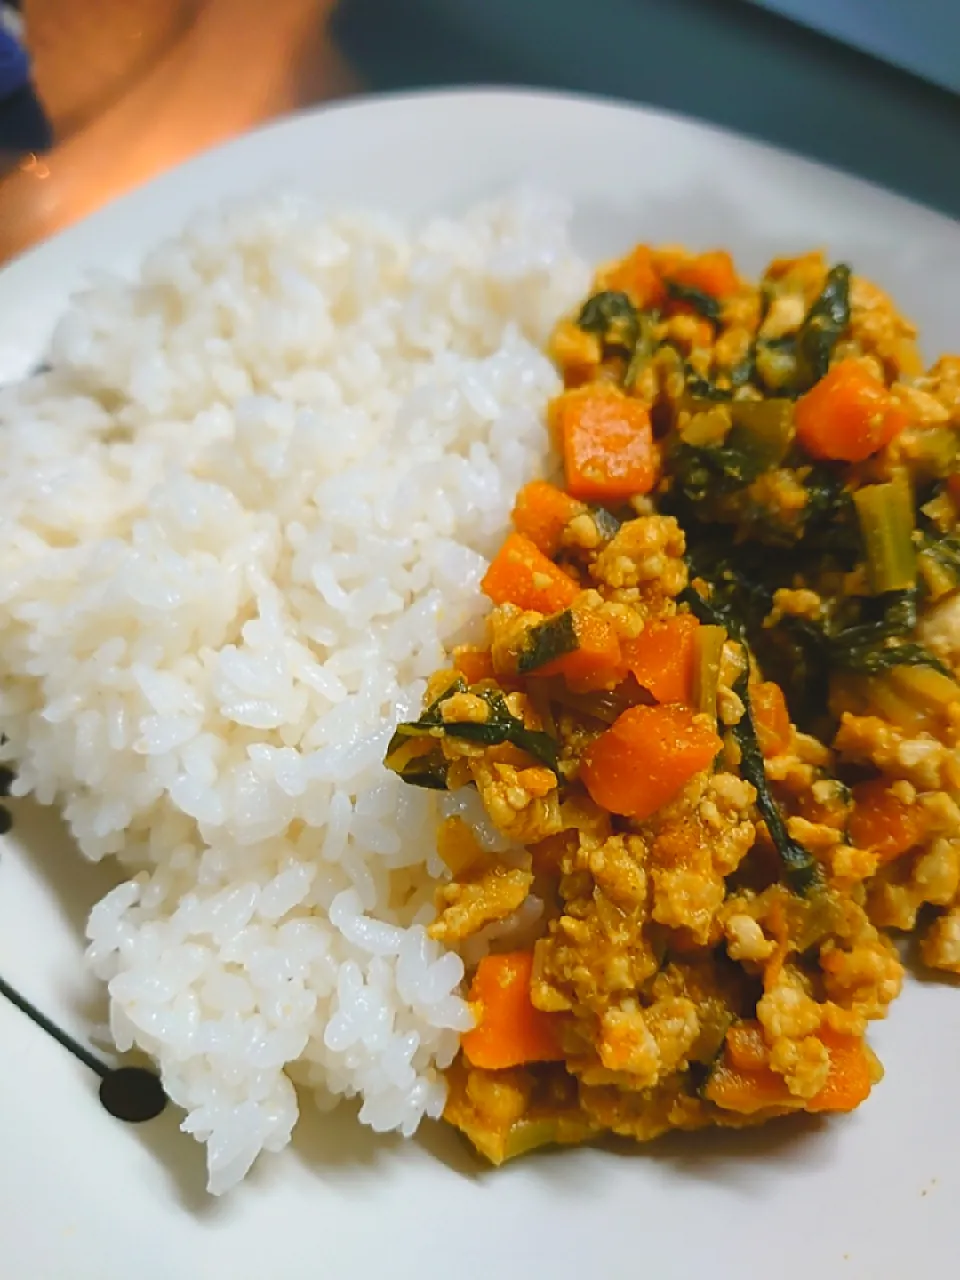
[136,86]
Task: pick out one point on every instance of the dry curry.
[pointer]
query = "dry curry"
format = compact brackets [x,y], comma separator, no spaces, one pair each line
[716,716]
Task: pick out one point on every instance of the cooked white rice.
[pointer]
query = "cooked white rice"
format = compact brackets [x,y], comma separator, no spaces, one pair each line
[241,517]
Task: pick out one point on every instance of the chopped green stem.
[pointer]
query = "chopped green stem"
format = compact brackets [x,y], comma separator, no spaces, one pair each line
[643,348]
[885,512]
[925,686]
[764,429]
[709,656]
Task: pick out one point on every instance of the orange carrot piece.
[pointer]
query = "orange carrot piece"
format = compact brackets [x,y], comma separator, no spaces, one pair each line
[848,415]
[607,443]
[596,663]
[745,1048]
[510,1030]
[663,658]
[747,1090]
[953,486]
[637,276]
[473,664]
[771,717]
[542,512]
[645,758]
[667,261]
[521,574]
[882,823]
[712,273]
[850,1079]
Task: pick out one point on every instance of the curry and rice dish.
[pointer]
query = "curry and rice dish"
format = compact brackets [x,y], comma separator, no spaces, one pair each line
[715,717]
[647,590]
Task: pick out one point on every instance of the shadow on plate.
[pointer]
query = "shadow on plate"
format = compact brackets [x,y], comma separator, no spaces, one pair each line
[333,1144]
[336,1143]
[742,1159]
[74,883]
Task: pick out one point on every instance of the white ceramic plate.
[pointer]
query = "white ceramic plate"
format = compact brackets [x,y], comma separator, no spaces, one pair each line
[83,1197]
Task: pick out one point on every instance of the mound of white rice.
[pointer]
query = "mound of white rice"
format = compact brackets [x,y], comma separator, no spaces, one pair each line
[239,520]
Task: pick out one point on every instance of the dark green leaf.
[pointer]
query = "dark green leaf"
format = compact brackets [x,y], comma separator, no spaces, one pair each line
[869,660]
[429,771]
[703,472]
[699,388]
[829,524]
[942,554]
[613,317]
[801,870]
[877,643]
[503,726]
[500,726]
[418,763]
[823,326]
[703,303]
[550,639]
[786,342]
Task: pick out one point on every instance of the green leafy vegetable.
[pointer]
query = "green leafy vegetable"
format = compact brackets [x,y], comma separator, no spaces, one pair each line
[699,388]
[703,472]
[758,439]
[823,326]
[418,761]
[605,705]
[829,520]
[868,660]
[643,348]
[938,559]
[613,317]
[427,769]
[551,639]
[878,644]
[801,870]
[703,303]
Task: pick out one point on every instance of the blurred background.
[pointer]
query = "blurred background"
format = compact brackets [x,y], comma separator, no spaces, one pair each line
[97,96]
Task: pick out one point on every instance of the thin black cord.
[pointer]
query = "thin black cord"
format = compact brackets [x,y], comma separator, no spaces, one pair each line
[68,1042]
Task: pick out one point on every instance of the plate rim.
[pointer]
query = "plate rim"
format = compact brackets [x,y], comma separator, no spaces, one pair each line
[483,96]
